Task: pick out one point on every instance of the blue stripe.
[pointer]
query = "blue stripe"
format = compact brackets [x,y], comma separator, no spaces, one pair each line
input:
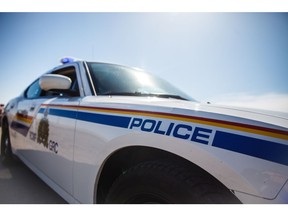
[263,149]
[41,110]
[63,113]
[111,120]
[58,112]
[20,128]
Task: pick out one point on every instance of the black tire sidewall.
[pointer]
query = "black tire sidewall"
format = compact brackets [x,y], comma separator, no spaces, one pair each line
[140,183]
[6,151]
[167,183]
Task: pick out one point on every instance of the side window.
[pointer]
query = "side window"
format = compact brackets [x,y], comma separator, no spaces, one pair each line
[33,90]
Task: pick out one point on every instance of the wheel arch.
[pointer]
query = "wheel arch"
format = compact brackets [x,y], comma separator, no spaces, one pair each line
[127,157]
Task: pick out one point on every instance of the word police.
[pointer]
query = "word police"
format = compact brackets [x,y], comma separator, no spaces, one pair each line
[181,131]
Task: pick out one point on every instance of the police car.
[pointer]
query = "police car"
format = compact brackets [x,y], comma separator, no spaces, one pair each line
[105,133]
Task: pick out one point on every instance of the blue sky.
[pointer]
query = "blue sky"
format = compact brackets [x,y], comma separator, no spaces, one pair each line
[218,57]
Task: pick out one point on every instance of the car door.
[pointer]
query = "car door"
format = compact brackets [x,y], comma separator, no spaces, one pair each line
[23,122]
[52,133]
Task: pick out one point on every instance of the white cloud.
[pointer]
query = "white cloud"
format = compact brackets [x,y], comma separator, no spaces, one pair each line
[271,101]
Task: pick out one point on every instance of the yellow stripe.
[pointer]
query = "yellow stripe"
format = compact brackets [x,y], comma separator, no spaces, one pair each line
[23,119]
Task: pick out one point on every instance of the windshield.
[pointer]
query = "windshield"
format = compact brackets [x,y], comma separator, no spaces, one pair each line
[109,79]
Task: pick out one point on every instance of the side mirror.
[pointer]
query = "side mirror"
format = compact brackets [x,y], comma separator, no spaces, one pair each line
[54,82]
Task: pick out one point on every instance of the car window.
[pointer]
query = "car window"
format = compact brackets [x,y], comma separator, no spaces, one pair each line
[34,90]
[110,79]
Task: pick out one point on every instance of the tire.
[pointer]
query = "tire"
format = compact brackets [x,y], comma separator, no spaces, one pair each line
[165,183]
[6,150]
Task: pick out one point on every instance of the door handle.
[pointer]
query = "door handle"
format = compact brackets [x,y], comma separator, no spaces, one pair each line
[32,108]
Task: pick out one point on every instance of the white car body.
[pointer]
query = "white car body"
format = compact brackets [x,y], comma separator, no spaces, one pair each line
[245,150]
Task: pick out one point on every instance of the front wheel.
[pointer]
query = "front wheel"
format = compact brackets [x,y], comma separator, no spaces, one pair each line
[165,183]
[6,150]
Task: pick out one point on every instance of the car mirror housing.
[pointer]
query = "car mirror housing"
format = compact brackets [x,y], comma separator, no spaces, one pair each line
[54,81]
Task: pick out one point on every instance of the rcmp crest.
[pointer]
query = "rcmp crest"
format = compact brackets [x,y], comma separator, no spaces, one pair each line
[43,130]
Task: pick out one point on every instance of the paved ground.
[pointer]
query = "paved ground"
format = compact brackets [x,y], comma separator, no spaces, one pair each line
[19,185]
